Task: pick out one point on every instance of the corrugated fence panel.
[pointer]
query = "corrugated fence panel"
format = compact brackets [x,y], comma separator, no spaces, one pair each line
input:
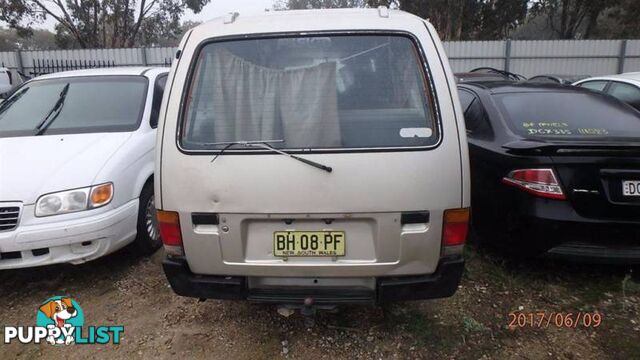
[633,51]
[8,59]
[161,55]
[468,55]
[592,57]
[565,48]
[121,57]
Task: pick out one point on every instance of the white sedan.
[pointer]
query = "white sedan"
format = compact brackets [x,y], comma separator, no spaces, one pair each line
[76,166]
[625,87]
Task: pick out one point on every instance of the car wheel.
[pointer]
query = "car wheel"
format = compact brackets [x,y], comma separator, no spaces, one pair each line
[148,239]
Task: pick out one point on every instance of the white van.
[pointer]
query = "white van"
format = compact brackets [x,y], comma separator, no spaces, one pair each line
[313,157]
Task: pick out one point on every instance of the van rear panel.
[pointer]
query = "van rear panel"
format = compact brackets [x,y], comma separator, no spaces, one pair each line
[383,165]
[364,196]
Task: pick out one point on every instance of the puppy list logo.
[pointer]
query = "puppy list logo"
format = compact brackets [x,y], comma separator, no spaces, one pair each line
[60,321]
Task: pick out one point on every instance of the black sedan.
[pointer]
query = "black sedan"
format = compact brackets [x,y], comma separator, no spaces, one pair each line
[555,169]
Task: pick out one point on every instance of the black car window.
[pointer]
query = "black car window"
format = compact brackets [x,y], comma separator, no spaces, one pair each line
[597,85]
[466,98]
[626,92]
[569,115]
[477,120]
[158,92]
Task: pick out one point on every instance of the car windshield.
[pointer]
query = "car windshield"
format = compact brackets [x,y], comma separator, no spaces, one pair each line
[355,91]
[90,104]
[569,115]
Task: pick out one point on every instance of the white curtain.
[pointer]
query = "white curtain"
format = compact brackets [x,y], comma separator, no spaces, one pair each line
[240,100]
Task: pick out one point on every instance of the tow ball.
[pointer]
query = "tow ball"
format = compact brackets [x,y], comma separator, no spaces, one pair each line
[308,310]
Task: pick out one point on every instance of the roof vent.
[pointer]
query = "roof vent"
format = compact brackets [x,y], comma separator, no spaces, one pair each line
[383,11]
[231,17]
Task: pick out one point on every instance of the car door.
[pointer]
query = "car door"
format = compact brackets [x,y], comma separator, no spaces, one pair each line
[625,92]
[482,159]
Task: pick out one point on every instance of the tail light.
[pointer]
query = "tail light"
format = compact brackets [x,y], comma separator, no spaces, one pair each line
[169,223]
[455,229]
[539,182]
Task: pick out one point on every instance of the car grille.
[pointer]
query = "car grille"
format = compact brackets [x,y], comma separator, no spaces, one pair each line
[9,217]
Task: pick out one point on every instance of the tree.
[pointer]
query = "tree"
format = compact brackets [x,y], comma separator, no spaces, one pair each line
[498,18]
[100,23]
[572,19]
[620,22]
[452,18]
[10,40]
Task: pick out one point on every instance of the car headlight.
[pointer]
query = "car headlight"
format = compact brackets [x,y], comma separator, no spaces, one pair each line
[69,201]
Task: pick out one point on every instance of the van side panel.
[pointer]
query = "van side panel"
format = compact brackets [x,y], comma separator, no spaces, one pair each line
[459,117]
[162,118]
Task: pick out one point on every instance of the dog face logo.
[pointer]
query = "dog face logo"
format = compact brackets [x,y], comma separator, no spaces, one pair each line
[59,310]
[60,321]
[63,313]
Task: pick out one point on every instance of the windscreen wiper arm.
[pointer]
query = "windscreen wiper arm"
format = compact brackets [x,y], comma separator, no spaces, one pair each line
[7,103]
[54,112]
[264,144]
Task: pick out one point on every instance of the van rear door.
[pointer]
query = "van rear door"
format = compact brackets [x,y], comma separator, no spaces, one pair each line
[365,104]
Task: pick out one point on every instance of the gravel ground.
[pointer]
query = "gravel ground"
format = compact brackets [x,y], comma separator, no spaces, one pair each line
[123,289]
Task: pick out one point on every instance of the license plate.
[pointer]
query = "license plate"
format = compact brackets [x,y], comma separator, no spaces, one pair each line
[308,243]
[631,188]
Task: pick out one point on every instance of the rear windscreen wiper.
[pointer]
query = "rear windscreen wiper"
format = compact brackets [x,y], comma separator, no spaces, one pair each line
[54,112]
[264,144]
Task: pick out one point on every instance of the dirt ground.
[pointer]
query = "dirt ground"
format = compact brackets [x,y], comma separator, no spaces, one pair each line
[123,289]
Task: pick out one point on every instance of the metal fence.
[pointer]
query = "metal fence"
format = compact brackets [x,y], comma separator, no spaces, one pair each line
[42,67]
[589,57]
[35,62]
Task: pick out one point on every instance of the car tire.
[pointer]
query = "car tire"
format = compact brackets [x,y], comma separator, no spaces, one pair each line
[148,238]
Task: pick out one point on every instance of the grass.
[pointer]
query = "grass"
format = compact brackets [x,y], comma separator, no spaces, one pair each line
[427,331]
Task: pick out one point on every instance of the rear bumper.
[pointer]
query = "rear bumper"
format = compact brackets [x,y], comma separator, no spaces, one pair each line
[443,283]
[522,225]
[594,253]
[582,239]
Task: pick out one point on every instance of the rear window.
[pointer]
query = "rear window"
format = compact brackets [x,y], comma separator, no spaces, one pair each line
[315,92]
[575,115]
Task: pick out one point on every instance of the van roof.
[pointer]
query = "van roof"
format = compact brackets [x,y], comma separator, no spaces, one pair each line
[308,20]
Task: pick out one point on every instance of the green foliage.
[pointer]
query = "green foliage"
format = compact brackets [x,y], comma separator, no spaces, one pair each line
[571,19]
[101,23]
[11,40]
[454,19]
[471,325]
[500,19]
